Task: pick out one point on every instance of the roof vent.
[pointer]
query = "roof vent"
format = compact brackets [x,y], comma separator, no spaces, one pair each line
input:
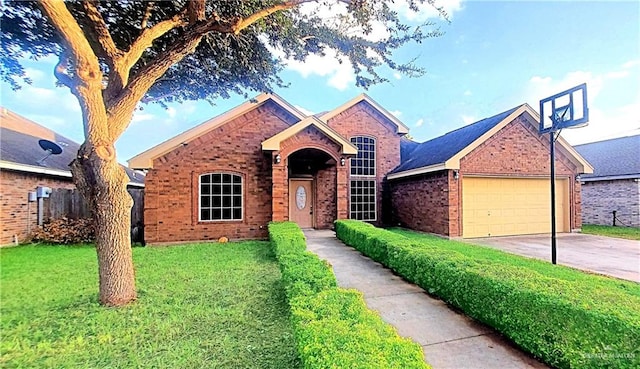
[51,148]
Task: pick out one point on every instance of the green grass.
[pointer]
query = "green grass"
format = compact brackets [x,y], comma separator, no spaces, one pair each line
[488,254]
[630,233]
[199,306]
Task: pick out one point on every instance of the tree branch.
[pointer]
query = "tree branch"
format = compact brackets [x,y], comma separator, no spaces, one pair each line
[60,71]
[147,15]
[101,30]
[148,35]
[88,81]
[195,10]
[245,22]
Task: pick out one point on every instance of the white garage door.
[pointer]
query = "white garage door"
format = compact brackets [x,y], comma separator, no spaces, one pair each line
[512,206]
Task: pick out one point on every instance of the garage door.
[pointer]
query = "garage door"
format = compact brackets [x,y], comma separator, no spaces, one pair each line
[512,206]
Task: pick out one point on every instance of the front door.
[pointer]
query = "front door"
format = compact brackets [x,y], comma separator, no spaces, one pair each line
[301,202]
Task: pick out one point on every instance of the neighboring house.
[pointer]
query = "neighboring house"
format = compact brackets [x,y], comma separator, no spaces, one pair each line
[615,182]
[22,170]
[267,161]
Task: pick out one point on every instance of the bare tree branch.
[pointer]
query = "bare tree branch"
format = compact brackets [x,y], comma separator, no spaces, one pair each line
[195,10]
[147,14]
[99,27]
[147,37]
[245,22]
[88,80]
[60,71]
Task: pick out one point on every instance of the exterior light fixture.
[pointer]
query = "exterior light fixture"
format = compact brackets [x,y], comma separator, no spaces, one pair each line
[342,161]
[456,174]
[278,159]
[578,177]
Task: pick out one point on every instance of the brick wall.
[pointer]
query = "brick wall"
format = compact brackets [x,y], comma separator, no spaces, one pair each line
[171,193]
[363,120]
[17,215]
[325,207]
[601,198]
[421,202]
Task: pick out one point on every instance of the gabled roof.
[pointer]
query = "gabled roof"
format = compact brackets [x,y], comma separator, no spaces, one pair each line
[407,146]
[400,127]
[617,158]
[273,143]
[145,159]
[19,149]
[445,152]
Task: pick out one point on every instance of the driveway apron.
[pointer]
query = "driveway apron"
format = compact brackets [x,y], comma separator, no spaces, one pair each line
[448,339]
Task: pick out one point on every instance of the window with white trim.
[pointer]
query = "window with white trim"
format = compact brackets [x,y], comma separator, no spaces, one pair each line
[365,163]
[220,197]
[363,199]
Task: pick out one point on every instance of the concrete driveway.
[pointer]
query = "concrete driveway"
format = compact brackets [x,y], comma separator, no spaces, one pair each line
[603,255]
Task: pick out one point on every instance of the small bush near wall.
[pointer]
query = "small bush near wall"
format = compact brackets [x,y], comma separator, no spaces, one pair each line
[333,327]
[65,231]
[567,318]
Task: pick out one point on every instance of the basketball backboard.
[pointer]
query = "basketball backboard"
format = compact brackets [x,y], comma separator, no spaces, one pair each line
[567,109]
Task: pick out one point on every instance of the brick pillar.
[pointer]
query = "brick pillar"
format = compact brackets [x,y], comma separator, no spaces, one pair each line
[279,190]
[342,192]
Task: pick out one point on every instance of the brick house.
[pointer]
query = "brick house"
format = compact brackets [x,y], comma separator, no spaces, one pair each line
[267,161]
[614,184]
[22,170]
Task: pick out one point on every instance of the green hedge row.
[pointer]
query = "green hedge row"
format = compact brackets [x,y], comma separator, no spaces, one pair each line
[333,327]
[568,324]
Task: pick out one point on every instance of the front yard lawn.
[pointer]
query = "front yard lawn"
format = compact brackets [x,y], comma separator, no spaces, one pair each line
[630,233]
[199,306]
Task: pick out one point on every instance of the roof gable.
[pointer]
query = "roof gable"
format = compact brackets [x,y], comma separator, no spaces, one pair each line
[618,157]
[273,143]
[145,159]
[400,127]
[445,152]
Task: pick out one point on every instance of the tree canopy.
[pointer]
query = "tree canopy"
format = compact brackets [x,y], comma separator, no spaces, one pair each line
[233,56]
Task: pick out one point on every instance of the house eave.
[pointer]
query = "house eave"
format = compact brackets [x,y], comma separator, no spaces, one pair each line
[611,178]
[418,171]
[273,143]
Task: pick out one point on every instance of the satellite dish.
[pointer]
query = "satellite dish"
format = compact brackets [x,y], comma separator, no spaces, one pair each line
[50,147]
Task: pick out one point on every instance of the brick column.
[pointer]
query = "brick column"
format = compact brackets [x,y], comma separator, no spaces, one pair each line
[279,189]
[342,192]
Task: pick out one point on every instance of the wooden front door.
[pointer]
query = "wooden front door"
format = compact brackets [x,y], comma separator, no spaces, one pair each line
[301,202]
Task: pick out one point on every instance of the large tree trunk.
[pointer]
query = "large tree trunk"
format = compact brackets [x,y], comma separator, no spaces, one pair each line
[103,183]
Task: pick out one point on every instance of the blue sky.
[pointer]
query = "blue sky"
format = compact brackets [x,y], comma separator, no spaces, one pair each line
[492,57]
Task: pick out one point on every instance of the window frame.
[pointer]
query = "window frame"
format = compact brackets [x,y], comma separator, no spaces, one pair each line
[375,199]
[352,166]
[231,196]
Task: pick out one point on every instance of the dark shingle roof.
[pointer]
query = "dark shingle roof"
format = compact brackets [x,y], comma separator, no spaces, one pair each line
[406,148]
[443,148]
[19,139]
[615,157]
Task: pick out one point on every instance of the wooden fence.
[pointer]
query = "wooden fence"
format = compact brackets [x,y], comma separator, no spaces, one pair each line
[69,203]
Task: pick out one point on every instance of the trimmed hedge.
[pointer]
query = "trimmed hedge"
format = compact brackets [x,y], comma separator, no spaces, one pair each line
[333,327]
[585,321]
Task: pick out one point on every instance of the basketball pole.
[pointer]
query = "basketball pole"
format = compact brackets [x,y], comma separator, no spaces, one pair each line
[553,196]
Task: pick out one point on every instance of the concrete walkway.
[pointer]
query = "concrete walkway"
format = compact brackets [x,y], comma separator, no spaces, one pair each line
[448,339]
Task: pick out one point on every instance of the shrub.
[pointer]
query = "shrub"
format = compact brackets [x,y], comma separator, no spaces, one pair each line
[65,231]
[333,327]
[583,321]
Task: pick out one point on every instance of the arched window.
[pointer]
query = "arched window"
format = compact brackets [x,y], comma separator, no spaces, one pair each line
[220,197]
[362,187]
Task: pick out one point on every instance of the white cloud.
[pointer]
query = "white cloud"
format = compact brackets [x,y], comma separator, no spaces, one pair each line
[396,113]
[140,116]
[171,112]
[397,75]
[467,93]
[468,119]
[631,64]
[341,75]
[419,123]
[303,110]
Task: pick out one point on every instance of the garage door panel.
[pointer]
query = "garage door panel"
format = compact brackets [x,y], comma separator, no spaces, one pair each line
[510,206]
